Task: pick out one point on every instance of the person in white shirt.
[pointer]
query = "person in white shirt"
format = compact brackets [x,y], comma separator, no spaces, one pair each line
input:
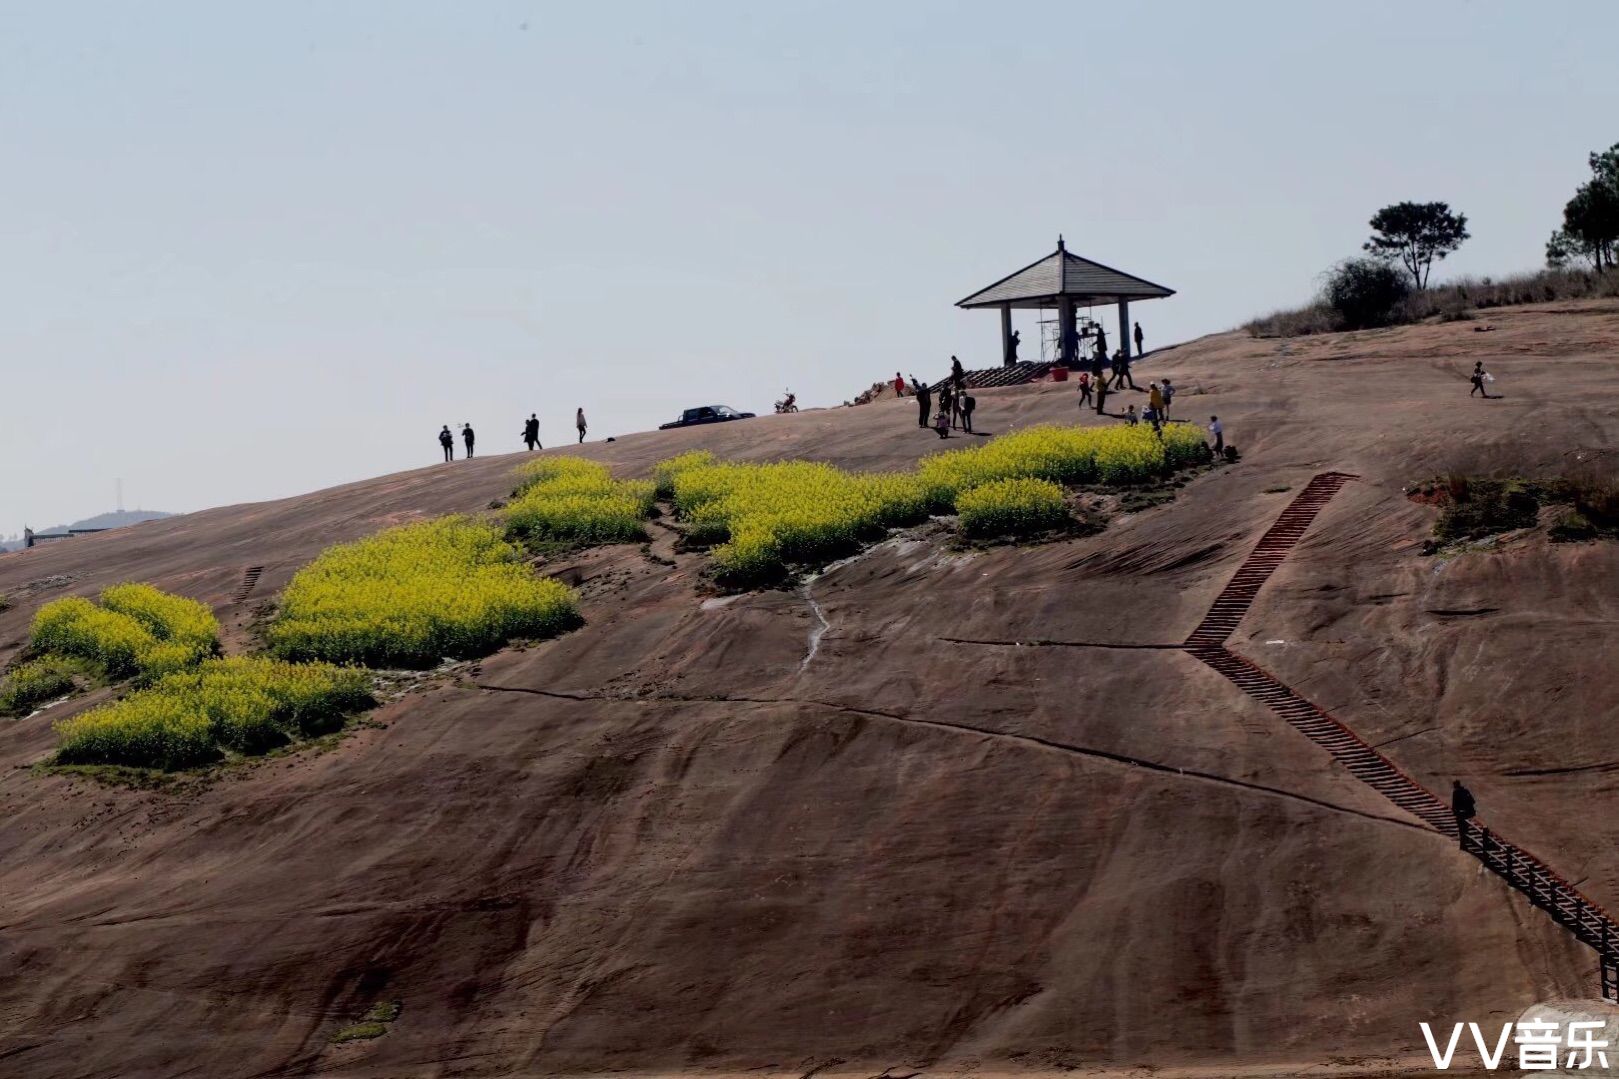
[1217,429]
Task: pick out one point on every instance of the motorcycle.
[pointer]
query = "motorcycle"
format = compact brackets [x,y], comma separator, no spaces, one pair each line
[788,403]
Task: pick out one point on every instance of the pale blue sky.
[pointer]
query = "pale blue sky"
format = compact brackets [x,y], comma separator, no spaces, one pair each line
[253,250]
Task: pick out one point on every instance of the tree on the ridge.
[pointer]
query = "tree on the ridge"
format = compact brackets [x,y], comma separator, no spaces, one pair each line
[1591,218]
[1415,234]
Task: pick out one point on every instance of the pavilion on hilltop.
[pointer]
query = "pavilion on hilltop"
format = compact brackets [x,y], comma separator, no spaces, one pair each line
[1064,282]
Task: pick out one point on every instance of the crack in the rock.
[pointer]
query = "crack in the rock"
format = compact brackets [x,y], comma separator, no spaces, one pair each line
[1397,737]
[1034,740]
[1041,642]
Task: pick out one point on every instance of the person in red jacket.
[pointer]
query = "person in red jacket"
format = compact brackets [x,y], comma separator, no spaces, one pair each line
[899,384]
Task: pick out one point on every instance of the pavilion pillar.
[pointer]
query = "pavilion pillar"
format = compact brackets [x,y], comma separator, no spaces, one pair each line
[1066,335]
[1124,326]
[1006,335]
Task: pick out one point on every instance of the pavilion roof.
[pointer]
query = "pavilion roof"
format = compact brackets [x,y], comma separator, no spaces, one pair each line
[1063,273]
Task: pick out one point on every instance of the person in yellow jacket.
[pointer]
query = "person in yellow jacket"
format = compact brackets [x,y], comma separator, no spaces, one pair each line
[1155,399]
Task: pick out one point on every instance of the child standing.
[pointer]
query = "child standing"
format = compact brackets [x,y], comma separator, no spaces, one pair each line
[1084,388]
[1130,416]
[941,422]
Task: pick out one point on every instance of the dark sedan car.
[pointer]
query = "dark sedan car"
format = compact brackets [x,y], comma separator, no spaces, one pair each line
[707,414]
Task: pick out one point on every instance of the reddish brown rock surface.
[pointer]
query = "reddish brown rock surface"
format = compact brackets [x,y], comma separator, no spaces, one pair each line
[665,843]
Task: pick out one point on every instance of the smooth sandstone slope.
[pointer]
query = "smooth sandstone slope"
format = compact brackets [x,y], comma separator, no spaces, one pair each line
[676,840]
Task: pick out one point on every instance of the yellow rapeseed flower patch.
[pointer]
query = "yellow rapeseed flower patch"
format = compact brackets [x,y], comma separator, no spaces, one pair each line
[1016,507]
[793,511]
[33,683]
[412,595]
[763,517]
[1117,456]
[136,630]
[572,500]
[193,717]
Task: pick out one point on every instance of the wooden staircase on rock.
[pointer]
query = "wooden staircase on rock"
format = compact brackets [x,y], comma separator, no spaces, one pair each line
[1525,873]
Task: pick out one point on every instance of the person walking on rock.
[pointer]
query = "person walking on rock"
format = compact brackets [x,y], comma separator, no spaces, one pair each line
[1084,388]
[1480,380]
[1121,365]
[924,402]
[447,440]
[467,437]
[968,403]
[1217,429]
[1101,395]
[1155,399]
[531,430]
[579,422]
[1464,808]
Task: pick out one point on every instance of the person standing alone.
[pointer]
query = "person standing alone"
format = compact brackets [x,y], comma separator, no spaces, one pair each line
[531,430]
[579,422]
[1217,429]
[1138,339]
[924,402]
[1463,807]
[447,440]
[466,436]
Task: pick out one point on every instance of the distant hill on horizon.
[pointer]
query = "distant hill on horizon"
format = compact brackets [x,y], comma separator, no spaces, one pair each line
[111,519]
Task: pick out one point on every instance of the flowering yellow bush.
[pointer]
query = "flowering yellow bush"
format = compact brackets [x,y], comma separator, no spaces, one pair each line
[137,630]
[33,683]
[573,500]
[765,516]
[410,596]
[1118,455]
[192,717]
[663,475]
[793,511]
[1016,507]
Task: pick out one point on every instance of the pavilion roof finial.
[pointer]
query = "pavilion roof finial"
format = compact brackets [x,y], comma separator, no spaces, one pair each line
[1060,246]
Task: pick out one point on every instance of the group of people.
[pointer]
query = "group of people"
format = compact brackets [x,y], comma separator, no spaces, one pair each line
[531,434]
[956,404]
[1073,339]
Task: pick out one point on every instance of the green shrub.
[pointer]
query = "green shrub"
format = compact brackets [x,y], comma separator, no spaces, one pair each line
[1478,507]
[190,718]
[1572,526]
[136,631]
[572,500]
[1017,507]
[31,684]
[1366,293]
[412,595]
